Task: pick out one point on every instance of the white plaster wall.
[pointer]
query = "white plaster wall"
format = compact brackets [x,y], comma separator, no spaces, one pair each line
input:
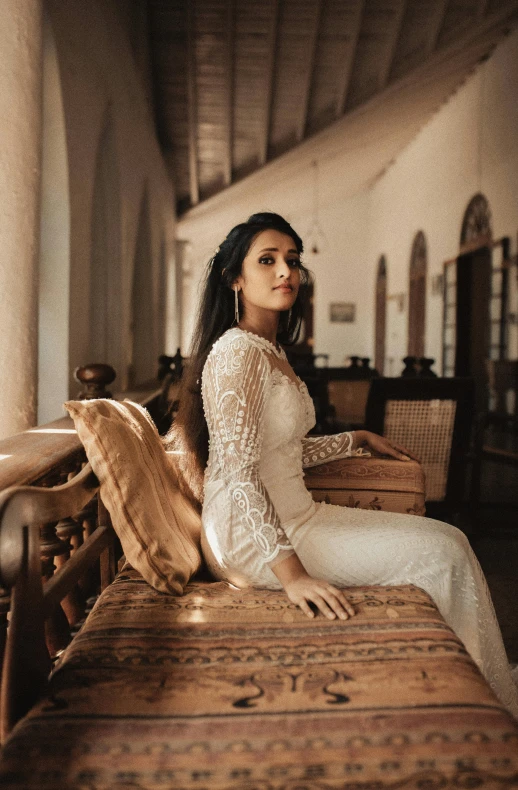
[469,145]
[99,73]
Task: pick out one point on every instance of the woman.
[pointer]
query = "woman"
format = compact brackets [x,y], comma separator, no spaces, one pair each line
[260,524]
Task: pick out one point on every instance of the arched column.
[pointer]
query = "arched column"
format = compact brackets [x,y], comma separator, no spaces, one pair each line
[143,326]
[20,164]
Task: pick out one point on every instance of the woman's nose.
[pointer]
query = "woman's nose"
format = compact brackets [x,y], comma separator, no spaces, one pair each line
[283,270]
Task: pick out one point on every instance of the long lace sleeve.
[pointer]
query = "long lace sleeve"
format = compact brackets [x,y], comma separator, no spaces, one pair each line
[235,384]
[321,449]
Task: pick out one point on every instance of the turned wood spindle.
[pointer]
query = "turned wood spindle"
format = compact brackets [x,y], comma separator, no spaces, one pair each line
[107,561]
[4,611]
[57,630]
[87,519]
[73,603]
[94,379]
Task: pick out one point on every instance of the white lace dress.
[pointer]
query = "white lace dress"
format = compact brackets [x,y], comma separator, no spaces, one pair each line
[257,510]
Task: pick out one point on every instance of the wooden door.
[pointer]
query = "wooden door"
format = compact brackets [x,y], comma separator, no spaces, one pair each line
[473,336]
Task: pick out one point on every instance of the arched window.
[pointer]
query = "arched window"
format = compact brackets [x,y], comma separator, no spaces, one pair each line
[380,315]
[417,297]
[476,225]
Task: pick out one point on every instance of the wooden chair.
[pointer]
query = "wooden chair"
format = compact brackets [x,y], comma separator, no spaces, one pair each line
[433,418]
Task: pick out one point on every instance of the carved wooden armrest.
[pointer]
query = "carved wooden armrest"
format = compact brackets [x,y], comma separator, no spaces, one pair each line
[370,483]
[23,509]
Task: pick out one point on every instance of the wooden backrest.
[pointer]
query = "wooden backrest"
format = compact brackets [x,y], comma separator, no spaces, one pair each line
[349,399]
[433,418]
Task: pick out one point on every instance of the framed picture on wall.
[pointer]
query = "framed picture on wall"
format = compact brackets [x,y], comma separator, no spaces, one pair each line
[342,312]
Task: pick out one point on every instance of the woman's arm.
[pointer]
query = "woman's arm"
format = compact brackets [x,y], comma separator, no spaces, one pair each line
[321,449]
[236,382]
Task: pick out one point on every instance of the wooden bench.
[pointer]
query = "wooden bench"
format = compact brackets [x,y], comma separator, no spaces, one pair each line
[227,688]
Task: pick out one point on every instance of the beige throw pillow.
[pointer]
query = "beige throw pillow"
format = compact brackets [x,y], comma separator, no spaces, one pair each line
[158,528]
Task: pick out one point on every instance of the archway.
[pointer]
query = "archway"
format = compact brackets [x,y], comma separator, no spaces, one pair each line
[143,326]
[417,297]
[380,316]
[105,312]
[54,268]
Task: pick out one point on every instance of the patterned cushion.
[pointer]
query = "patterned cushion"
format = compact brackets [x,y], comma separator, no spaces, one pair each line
[158,528]
[237,689]
[370,483]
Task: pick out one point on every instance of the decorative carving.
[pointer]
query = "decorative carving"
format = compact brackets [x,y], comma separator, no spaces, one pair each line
[94,379]
[410,369]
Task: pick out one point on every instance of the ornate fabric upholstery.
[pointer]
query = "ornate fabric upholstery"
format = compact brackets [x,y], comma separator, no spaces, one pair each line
[370,483]
[225,688]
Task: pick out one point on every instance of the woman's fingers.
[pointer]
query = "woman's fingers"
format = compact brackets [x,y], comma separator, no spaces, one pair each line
[326,610]
[348,607]
[405,452]
[332,602]
[306,608]
[310,593]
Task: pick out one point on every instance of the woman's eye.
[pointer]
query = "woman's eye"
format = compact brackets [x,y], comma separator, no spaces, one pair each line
[266,260]
[294,263]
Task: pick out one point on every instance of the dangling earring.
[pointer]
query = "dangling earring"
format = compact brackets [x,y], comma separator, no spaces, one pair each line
[289,316]
[236,306]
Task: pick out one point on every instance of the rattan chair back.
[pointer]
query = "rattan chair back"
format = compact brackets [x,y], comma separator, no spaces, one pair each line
[433,418]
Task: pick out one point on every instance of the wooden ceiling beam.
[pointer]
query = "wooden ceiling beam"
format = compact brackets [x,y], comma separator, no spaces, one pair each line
[270,77]
[192,115]
[312,50]
[386,66]
[345,78]
[229,92]
[482,8]
[436,24]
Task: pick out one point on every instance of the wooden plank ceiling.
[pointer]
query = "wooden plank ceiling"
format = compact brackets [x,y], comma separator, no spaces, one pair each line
[237,83]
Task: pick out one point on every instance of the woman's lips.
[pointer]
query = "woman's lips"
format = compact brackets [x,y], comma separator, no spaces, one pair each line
[284,288]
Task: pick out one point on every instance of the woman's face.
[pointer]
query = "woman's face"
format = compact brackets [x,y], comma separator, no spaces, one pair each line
[270,275]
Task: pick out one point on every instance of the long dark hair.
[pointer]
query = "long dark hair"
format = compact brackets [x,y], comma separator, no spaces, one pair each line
[189,434]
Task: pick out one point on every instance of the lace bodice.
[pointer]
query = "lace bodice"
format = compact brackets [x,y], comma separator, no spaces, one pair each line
[258,415]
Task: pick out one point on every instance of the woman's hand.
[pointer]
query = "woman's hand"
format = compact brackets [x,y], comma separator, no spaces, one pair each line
[383,446]
[328,599]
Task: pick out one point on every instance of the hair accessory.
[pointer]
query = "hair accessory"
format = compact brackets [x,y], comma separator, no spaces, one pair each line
[236,306]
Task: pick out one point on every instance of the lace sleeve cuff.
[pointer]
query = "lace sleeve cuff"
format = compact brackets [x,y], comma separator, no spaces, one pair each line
[321,449]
